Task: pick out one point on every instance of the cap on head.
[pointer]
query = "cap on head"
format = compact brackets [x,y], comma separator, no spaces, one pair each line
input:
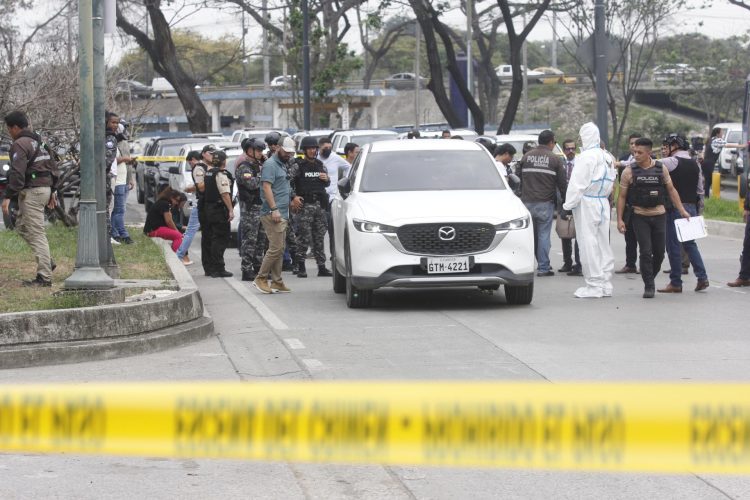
[219,157]
[288,145]
[208,147]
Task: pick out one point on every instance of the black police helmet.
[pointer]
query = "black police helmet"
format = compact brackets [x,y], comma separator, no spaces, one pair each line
[675,139]
[487,143]
[252,143]
[308,142]
[273,138]
[219,157]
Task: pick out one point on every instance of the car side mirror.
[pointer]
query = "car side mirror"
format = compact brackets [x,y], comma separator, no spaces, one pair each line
[345,187]
[174,170]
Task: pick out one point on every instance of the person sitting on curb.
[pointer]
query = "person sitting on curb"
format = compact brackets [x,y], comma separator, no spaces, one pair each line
[159,223]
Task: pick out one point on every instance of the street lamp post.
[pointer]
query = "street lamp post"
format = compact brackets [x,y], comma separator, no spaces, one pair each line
[88,272]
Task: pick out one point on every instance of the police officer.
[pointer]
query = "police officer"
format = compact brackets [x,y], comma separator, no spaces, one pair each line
[32,178]
[248,188]
[217,214]
[646,185]
[310,182]
[688,181]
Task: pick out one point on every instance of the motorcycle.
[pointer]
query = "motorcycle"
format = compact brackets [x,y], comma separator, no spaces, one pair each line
[9,220]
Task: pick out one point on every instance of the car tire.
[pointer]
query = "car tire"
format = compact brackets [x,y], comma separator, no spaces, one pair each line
[355,298]
[519,295]
[148,198]
[141,196]
[339,281]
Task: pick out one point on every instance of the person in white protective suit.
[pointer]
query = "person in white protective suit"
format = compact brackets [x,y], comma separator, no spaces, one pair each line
[588,193]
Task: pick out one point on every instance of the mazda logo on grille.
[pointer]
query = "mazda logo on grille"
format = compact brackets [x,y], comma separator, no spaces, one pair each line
[447,233]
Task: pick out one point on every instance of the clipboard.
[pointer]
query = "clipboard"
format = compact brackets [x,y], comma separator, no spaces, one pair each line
[689,230]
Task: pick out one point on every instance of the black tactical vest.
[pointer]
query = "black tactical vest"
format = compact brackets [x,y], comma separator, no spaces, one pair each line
[249,196]
[647,189]
[211,193]
[685,179]
[308,183]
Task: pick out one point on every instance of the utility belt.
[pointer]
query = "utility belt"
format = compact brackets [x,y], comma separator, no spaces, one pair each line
[319,198]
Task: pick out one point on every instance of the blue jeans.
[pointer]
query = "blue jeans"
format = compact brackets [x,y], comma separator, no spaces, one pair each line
[691,249]
[192,228]
[541,217]
[118,212]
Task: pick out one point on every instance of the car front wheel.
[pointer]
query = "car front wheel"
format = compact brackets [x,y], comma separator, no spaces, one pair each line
[355,298]
[339,281]
[519,295]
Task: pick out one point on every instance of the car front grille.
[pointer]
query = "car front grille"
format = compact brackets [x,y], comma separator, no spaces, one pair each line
[426,239]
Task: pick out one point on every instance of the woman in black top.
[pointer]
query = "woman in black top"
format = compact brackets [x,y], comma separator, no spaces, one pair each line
[159,223]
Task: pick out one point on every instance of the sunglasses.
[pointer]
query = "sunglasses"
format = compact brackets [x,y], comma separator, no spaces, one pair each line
[569,149]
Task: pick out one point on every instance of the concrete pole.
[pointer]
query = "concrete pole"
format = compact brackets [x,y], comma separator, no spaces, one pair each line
[525,63]
[417,41]
[88,273]
[266,55]
[469,65]
[600,66]
[306,64]
[106,254]
[554,39]
[244,51]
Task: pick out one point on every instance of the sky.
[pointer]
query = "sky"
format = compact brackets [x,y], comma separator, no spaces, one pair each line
[719,21]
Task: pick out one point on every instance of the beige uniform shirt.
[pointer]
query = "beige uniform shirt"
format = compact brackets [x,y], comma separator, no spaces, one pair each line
[222,182]
[199,174]
[626,180]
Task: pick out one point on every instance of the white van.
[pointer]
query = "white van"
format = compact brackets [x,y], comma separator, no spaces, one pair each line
[730,161]
[162,88]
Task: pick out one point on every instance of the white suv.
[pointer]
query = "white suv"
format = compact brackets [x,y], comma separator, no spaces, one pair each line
[429,213]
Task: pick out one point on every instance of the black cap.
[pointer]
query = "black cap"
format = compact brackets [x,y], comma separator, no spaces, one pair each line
[219,157]
[208,147]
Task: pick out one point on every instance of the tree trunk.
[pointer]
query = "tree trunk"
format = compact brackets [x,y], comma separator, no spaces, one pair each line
[164,58]
[516,89]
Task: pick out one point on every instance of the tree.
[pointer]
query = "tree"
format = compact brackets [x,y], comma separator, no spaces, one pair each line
[165,59]
[635,26]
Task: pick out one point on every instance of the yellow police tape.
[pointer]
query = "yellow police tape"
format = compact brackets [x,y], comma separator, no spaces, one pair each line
[159,158]
[4,157]
[606,427]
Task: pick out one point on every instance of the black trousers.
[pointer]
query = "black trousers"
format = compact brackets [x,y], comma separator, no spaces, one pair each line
[567,248]
[215,234]
[631,245]
[745,257]
[651,234]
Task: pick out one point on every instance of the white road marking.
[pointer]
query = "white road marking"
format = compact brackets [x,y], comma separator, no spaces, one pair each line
[729,289]
[294,343]
[265,313]
[313,364]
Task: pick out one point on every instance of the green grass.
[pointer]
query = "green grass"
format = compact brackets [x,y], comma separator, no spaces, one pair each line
[725,210]
[141,260]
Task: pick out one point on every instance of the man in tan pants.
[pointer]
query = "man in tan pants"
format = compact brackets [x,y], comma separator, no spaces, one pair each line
[31,177]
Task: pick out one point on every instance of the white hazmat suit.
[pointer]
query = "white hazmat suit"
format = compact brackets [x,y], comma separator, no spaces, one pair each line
[589,188]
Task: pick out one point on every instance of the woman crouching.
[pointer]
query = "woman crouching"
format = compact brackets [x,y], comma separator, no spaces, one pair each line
[159,222]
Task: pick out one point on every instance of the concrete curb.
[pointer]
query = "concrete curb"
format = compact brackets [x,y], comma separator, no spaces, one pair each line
[102,332]
[726,229]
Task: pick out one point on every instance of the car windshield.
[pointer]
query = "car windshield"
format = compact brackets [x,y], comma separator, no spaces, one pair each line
[429,171]
[169,150]
[734,136]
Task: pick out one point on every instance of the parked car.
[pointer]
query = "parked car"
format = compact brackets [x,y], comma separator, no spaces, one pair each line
[152,176]
[162,88]
[361,137]
[404,81]
[284,82]
[429,213]
[730,160]
[131,89]
[243,133]
[673,73]
[554,75]
[465,133]
[315,134]
[505,72]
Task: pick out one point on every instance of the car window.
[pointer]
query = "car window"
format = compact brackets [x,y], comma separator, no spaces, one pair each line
[368,139]
[429,171]
[354,170]
[734,136]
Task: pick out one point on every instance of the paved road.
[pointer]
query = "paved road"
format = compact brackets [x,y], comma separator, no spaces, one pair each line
[447,334]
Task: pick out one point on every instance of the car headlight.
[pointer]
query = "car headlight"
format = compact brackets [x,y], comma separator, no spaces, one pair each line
[520,223]
[372,227]
[6,167]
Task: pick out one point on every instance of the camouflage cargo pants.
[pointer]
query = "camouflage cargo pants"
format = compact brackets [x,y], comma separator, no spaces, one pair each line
[254,241]
[311,231]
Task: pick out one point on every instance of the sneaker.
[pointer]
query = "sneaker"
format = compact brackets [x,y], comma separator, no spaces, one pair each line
[127,240]
[544,274]
[576,271]
[279,286]
[114,241]
[565,269]
[38,281]
[261,283]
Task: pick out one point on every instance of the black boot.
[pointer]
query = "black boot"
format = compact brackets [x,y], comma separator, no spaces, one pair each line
[322,271]
[302,273]
[248,275]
